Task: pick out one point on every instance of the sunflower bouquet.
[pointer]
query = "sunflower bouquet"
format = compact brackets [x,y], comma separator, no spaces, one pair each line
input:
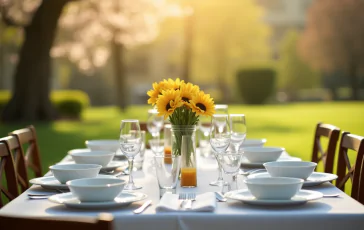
[182,103]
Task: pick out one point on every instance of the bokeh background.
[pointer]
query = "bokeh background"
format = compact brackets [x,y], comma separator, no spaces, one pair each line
[74,69]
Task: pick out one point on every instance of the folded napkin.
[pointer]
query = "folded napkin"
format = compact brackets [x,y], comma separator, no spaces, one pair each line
[205,202]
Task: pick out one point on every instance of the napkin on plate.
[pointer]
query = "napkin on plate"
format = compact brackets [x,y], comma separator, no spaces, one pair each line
[205,202]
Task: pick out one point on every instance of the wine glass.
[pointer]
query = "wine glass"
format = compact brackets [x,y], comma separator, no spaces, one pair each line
[130,144]
[154,123]
[238,130]
[230,163]
[219,141]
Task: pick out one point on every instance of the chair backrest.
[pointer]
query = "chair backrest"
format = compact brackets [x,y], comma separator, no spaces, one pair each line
[8,190]
[17,153]
[28,136]
[344,168]
[103,222]
[327,154]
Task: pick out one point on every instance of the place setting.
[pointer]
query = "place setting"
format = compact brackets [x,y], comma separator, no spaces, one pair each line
[299,169]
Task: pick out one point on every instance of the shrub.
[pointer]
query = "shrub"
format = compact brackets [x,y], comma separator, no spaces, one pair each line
[256,84]
[68,103]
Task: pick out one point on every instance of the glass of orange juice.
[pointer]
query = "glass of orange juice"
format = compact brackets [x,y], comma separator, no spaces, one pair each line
[188,162]
[167,142]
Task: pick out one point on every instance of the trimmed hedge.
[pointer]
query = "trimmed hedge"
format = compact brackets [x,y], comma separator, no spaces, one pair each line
[256,85]
[68,103]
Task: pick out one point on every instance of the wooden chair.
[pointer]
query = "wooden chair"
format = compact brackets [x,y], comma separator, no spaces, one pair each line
[103,222]
[345,170]
[28,136]
[17,153]
[10,190]
[326,155]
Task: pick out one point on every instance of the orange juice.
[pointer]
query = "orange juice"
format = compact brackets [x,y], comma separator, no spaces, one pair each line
[167,155]
[188,177]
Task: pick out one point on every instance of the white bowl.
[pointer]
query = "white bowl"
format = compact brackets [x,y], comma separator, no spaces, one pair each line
[262,154]
[102,158]
[66,172]
[253,143]
[104,145]
[96,189]
[296,169]
[78,150]
[274,188]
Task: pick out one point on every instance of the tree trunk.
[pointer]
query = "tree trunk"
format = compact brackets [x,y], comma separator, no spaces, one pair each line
[120,74]
[354,81]
[31,88]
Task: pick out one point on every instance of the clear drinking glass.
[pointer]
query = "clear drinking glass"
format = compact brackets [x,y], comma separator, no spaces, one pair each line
[238,130]
[154,123]
[221,109]
[219,141]
[167,169]
[157,146]
[204,125]
[230,163]
[139,158]
[130,144]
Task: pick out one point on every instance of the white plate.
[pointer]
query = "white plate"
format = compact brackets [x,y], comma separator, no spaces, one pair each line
[123,199]
[316,178]
[111,166]
[300,198]
[246,163]
[50,182]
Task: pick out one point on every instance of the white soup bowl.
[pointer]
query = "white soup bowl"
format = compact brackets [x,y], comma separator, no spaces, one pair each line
[253,143]
[102,158]
[96,189]
[295,169]
[66,172]
[274,188]
[104,145]
[262,154]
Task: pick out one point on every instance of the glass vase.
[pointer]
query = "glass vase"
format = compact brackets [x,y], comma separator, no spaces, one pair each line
[184,145]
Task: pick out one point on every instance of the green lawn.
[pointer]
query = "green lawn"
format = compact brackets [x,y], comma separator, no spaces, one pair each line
[290,126]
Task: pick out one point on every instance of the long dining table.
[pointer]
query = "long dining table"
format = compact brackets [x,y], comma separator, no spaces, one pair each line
[336,213]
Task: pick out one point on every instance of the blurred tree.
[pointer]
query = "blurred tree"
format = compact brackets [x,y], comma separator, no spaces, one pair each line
[293,73]
[334,39]
[227,36]
[103,29]
[30,99]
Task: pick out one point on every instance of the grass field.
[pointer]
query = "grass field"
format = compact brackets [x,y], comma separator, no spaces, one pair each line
[290,126]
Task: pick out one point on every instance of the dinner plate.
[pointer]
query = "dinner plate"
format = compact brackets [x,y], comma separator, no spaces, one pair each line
[111,166]
[123,199]
[316,178]
[246,163]
[50,182]
[300,198]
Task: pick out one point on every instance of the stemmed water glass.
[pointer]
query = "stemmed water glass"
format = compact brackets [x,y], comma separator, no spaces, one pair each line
[219,141]
[230,163]
[130,144]
[238,130]
[154,123]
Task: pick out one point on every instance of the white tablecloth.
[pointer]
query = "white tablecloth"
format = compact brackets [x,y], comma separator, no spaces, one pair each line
[328,213]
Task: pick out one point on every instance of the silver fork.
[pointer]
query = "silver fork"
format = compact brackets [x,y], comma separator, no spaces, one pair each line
[190,197]
[182,197]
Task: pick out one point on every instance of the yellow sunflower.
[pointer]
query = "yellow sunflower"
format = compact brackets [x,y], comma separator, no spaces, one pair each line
[171,84]
[168,101]
[202,104]
[188,90]
[154,93]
